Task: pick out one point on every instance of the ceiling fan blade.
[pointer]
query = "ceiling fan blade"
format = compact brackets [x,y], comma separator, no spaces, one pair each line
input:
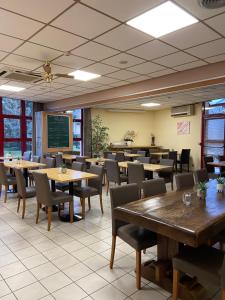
[64,75]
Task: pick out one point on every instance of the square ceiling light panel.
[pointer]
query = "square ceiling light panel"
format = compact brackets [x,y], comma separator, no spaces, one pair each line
[83,75]
[163,19]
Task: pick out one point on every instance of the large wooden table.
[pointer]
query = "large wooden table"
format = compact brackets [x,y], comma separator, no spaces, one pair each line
[70,157]
[217,164]
[175,224]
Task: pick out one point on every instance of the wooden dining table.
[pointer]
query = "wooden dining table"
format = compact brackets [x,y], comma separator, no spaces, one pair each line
[218,164]
[175,224]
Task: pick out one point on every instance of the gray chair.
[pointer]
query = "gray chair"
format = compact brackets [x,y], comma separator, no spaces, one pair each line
[50,162]
[153,187]
[58,160]
[93,188]
[113,173]
[173,155]
[82,159]
[111,156]
[6,180]
[27,155]
[36,159]
[201,175]
[136,174]
[184,181]
[137,237]
[205,263]
[184,159]
[120,156]
[144,160]
[106,153]
[141,152]
[23,191]
[78,166]
[48,198]
[167,175]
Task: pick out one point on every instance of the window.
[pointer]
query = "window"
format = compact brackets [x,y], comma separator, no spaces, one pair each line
[77,130]
[15,126]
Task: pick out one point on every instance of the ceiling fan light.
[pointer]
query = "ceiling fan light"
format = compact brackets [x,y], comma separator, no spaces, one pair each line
[83,75]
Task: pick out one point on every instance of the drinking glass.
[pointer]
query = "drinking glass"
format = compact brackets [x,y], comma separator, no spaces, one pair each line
[187,198]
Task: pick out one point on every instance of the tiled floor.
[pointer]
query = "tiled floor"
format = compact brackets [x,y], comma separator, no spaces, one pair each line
[69,262]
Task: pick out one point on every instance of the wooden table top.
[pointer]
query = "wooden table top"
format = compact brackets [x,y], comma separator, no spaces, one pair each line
[167,215]
[218,164]
[147,167]
[132,155]
[159,153]
[22,164]
[95,160]
[69,176]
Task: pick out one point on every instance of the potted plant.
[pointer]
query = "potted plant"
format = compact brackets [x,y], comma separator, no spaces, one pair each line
[220,184]
[99,137]
[63,169]
[202,189]
[129,137]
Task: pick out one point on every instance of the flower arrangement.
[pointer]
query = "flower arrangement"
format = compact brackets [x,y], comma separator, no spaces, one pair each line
[130,136]
[202,189]
[220,184]
[152,139]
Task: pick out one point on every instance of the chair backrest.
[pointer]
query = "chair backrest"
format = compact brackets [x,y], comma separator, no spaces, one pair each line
[21,183]
[81,159]
[111,156]
[112,170]
[201,175]
[144,160]
[27,155]
[184,181]
[141,152]
[173,155]
[105,153]
[43,192]
[209,168]
[127,151]
[136,173]
[78,166]
[3,177]
[96,182]
[166,162]
[120,156]
[121,195]
[50,162]
[153,187]
[35,158]
[185,156]
[58,160]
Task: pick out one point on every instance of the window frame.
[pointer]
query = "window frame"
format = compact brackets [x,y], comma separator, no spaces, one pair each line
[81,133]
[23,129]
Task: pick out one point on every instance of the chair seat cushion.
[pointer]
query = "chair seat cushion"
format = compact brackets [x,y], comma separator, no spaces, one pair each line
[11,180]
[137,237]
[85,191]
[60,197]
[62,186]
[204,262]
[30,192]
[123,178]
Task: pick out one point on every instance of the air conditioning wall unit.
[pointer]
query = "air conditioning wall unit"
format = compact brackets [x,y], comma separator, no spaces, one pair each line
[182,111]
[17,75]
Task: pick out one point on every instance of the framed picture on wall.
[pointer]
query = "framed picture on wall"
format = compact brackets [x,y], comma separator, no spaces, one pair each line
[183,127]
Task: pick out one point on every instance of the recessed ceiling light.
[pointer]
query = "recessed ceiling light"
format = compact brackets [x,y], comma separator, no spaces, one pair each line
[83,75]
[163,19]
[11,88]
[151,104]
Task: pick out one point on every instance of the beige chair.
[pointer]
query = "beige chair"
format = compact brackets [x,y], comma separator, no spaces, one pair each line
[6,180]
[23,191]
[48,198]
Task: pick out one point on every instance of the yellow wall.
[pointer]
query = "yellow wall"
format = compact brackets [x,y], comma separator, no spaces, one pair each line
[160,123]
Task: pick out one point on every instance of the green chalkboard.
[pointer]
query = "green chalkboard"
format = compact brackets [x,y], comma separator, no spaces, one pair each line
[58,131]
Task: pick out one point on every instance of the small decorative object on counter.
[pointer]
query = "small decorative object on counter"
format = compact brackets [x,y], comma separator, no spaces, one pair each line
[129,137]
[220,184]
[202,189]
[63,169]
[152,140]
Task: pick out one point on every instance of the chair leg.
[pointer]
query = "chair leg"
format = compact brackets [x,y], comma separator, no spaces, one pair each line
[18,205]
[37,212]
[49,217]
[0,188]
[101,204]
[107,187]
[223,294]
[172,185]
[71,212]
[113,251]
[83,207]
[176,277]
[89,203]
[24,208]
[6,189]
[138,270]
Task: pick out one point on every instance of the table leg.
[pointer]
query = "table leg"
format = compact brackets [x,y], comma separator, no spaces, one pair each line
[25,174]
[53,185]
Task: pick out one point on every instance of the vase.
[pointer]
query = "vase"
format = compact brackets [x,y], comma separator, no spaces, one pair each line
[129,143]
[220,187]
[62,170]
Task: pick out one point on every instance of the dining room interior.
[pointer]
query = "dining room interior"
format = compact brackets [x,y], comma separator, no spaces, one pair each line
[112,149]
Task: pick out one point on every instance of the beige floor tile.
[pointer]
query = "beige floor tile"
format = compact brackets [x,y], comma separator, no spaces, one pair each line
[34,261]
[4,250]
[20,280]
[65,261]
[83,253]
[44,246]
[12,269]
[147,293]
[96,262]
[99,247]
[8,297]
[91,283]
[126,263]
[34,291]
[110,293]
[55,282]
[72,246]
[7,259]
[110,274]
[26,252]
[44,270]
[88,240]
[77,271]
[54,253]
[4,289]
[126,284]
[70,291]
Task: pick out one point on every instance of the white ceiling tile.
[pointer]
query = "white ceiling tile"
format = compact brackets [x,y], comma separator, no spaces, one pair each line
[94,51]
[208,49]
[2,54]
[36,51]
[123,75]
[84,21]
[196,10]
[104,80]
[100,69]
[122,57]
[64,80]
[162,73]
[41,10]
[152,50]
[191,65]
[8,43]
[119,83]
[190,36]
[72,61]
[217,23]
[123,38]
[17,26]
[22,62]
[88,85]
[57,39]
[146,68]
[74,88]
[122,10]
[175,59]
[138,78]
[217,58]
